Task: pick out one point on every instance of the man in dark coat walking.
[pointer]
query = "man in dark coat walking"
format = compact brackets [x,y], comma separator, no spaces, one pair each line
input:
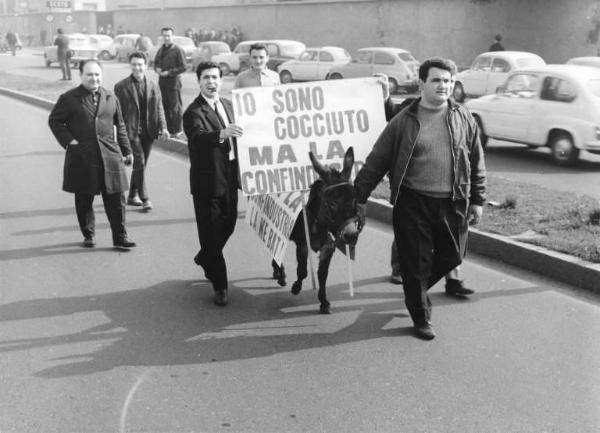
[62,54]
[144,118]
[83,122]
[169,63]
[214,172]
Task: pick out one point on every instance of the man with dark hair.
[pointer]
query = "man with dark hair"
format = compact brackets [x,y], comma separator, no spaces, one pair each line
[434,157]
[169,64]
[144,118]
[62,51]
[83,122]
[214,174]
[258,74]
[497,46]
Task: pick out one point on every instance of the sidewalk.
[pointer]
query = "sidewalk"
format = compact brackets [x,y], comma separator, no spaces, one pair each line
[558,266]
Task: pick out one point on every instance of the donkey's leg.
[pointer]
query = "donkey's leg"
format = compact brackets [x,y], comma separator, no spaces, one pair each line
[325,255]
[278,273]
[301,270]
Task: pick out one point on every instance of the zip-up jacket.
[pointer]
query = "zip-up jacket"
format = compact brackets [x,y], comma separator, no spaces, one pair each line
[393,149]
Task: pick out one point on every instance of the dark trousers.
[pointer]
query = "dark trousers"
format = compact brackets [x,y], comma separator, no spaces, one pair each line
[431,234]
[170,90]
[114,206]
[65,67]
[140,147]
[215,219]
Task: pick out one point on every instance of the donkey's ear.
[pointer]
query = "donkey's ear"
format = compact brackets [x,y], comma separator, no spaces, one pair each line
[321,170]
[348,163]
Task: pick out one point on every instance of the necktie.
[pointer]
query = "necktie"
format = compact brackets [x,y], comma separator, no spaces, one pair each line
[222,115]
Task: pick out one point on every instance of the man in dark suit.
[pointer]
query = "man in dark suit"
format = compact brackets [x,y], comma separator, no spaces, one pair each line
[214,174]
[83,122]
[62,50]
[144,118]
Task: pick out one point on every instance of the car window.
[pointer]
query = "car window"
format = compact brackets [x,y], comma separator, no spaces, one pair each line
[307,56]
[383,59]
[291,49]
[406,56]
[220,49]
[521,85]
[557,89]
[482,63]
[525,62]
[127,43]
[364,57]
[242,49]
[500,65]
[324,56]
[272,50]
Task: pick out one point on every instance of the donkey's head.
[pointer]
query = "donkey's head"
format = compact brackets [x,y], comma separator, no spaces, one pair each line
[335,200]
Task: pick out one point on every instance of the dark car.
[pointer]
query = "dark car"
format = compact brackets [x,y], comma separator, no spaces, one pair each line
[280,50]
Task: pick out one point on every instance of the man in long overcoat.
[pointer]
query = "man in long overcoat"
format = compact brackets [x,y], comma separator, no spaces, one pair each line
[83,122]
[144,118]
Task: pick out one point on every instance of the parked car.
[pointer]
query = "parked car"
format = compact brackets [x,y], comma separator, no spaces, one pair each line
[187,44]
[313,64]
[593,61]
[490,70]
[230,62]
[123,45]
[81,46]
[557,106]
[205,51]
[279,50]
[102,43]
[398,64]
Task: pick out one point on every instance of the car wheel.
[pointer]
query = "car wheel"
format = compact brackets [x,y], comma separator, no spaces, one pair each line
[458,93]
[335,76]
[563,150]
[225,69]
[483,138]
[104,55]
[393,86]
[285,77]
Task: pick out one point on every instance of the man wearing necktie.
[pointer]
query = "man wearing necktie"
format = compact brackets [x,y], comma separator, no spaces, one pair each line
[144,117]
[214,174]
[83,122]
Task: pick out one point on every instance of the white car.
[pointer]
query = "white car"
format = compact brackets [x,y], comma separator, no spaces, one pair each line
[313,64]
[78,43]
[557,106]
[103,44]
[489,70]
[230,62]
[585,61]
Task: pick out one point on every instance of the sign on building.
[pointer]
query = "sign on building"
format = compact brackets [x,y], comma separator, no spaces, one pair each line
[59,5]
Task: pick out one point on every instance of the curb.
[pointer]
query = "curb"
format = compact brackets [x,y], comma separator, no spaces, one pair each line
[558,266]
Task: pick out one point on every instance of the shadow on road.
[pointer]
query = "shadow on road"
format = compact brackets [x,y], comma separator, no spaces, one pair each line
[175,322]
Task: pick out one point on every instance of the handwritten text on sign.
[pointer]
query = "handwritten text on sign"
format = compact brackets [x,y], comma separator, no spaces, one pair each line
[283,123]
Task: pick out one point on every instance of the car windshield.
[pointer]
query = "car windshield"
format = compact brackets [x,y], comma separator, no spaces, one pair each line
[183,42]
[406,56]
[75,42]
[291,49]
[594,87]
[525,62]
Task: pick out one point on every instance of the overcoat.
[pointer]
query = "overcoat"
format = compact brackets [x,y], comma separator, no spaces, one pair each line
[155,114]
[102,140]
[209,158]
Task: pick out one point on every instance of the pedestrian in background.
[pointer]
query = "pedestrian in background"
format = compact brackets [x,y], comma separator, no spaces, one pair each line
[144,117]
[497,46]
[11,40]
[432,151]
[83,121]
[62,53]
[169,64]
[257,76]
[142,43]
[214,174]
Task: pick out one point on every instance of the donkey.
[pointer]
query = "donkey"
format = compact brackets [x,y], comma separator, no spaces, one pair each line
[333,221]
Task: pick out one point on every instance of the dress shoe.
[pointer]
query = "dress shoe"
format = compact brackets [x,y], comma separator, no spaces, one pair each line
[396,277]
[221,297]
[424,331]
[89,242]
[456,288]
[280,275]
[123,244]
[134,201]
[147,205]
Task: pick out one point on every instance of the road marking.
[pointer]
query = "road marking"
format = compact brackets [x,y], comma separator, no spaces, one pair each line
[129,398]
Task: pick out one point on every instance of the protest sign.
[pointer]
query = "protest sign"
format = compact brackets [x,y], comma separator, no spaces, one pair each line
[283,123]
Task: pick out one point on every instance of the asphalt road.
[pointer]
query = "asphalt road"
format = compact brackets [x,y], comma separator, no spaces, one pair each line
[509,160]
[93,340]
